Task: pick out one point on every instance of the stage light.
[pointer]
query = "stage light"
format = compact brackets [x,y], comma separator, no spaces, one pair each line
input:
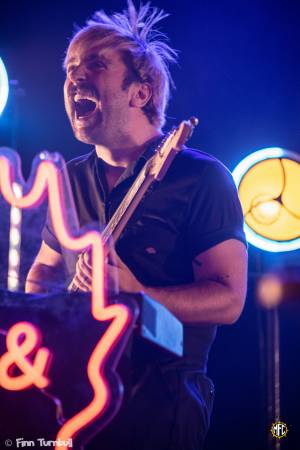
[269,291]
[13,278]
[4,86]
[278,287]
[268,183]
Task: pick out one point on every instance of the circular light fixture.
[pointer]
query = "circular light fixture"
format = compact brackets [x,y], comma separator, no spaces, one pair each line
[268,183]
[4,86]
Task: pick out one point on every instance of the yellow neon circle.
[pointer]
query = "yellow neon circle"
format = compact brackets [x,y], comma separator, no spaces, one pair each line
[268,183]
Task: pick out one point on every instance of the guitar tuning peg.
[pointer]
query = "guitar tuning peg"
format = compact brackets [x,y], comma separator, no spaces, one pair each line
[194,121]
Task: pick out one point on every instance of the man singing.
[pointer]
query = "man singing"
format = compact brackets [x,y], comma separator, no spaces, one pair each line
[184,246]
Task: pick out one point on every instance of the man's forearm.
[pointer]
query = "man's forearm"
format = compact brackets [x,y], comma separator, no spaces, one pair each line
[205,301]
[41,278]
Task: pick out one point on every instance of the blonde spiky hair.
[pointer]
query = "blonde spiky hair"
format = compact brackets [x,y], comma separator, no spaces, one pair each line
[145,51]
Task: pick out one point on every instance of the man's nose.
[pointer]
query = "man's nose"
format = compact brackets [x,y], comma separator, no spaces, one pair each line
[79,74]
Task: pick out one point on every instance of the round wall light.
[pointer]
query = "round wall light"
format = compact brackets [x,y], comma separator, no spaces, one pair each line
[268,183]
[4,86]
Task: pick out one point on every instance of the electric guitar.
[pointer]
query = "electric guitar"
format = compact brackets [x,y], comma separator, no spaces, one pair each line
[154,169]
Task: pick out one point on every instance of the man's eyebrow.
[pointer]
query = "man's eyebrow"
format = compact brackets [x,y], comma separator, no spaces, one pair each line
[98,56]
[68,61]
[91,57]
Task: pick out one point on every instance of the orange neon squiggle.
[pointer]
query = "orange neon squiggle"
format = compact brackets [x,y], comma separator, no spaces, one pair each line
[17,355]
[47,178]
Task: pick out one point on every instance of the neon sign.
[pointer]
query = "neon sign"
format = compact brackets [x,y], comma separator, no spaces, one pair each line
[33,373]
[47,180]
[268,183]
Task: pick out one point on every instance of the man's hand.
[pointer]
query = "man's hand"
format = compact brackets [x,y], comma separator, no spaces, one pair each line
[124,278]
[118,277]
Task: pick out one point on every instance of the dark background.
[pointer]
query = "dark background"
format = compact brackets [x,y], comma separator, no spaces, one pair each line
[239,73]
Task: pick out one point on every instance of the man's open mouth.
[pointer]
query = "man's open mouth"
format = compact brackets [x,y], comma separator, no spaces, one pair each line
[84,107]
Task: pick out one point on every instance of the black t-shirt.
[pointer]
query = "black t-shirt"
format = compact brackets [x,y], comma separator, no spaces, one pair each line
[192,209]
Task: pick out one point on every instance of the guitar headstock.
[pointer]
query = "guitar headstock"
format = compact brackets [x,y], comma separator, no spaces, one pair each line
[173,141]
[184,132]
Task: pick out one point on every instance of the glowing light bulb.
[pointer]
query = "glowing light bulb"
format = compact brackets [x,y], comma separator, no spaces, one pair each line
[267,212]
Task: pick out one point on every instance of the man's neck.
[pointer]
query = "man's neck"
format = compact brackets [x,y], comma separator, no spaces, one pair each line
[130,149]
[117,160]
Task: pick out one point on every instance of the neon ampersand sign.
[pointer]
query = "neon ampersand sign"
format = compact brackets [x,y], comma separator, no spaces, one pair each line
[47,180]
[33,373]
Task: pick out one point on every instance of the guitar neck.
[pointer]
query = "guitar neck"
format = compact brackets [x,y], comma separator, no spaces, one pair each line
[127,207]
[154,169]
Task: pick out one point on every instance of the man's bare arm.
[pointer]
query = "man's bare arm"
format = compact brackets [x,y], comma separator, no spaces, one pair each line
[46,270]
[219,291]
[217,294]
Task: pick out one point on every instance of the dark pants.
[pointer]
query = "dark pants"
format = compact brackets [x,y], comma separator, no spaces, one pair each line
[166,410]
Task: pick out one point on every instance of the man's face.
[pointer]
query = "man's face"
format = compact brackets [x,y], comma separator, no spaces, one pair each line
[96,103]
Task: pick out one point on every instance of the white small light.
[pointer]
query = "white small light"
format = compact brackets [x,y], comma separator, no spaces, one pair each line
[43,156]
[14,237]
[12,274]
[14,241]
[15,215]
[14,258]
[12,284]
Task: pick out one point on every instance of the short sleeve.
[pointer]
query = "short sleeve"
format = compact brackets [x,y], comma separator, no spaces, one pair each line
[49,236]
[76,180]
[215,213]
